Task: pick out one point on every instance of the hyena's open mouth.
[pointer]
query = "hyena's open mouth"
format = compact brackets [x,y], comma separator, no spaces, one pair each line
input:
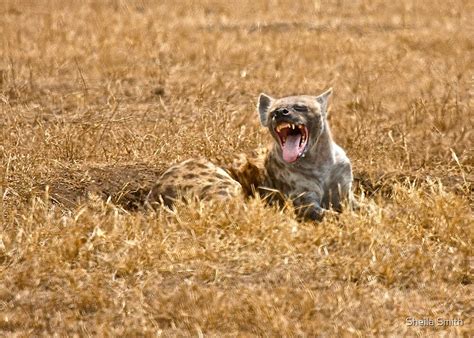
[293,140]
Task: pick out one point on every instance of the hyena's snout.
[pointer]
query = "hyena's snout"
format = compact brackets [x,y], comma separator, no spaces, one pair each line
[281,113]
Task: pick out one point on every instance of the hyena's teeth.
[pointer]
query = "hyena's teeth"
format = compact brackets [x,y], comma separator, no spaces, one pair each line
[281,126]
[303,139]
[292,126]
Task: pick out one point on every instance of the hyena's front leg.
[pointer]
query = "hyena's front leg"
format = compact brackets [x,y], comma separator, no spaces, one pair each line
[335,195]
[340,188]
[308,206]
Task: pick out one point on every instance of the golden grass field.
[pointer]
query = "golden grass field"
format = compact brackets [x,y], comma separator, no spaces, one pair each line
[97,98]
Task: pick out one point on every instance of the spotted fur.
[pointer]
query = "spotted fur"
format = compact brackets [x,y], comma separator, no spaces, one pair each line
[194,178]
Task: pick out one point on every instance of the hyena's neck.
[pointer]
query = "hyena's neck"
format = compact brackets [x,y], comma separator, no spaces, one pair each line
[321,153]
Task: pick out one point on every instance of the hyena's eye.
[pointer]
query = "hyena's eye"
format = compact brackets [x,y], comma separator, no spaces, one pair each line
[300,108]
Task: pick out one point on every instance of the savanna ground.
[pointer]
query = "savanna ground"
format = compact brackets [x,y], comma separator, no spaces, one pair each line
[98,97]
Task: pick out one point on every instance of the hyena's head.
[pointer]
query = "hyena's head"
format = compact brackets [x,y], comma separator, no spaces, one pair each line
[295,122]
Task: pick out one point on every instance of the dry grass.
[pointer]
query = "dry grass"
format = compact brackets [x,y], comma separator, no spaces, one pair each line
[97,98]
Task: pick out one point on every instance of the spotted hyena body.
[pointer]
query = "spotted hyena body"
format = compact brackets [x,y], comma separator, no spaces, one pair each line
[194,178]
[304,164]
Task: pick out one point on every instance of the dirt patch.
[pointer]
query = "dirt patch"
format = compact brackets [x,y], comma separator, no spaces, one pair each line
[125,185]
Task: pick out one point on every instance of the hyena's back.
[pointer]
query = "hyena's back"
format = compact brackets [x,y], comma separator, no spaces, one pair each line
[195,178]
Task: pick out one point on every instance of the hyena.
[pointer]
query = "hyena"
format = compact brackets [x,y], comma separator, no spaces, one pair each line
[305,164]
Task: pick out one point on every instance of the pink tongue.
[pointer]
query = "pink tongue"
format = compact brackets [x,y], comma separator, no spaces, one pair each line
[291,148]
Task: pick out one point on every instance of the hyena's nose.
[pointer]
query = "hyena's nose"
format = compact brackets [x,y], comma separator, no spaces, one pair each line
[282,112]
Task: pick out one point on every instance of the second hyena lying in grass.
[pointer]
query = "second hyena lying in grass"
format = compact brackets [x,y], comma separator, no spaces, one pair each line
[304,164]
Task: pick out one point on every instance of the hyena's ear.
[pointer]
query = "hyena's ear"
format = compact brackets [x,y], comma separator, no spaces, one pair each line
[264,103]
[323,100]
